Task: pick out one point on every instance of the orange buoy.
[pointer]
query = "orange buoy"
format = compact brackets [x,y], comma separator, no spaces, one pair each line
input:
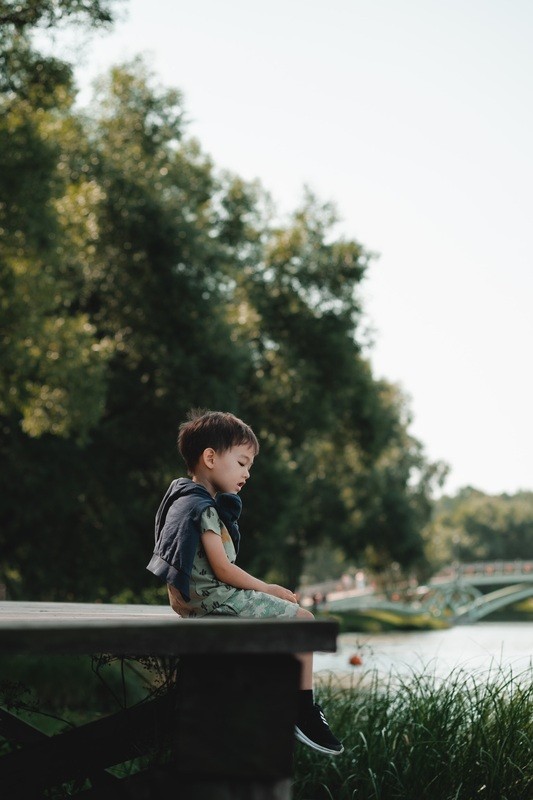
[356,660]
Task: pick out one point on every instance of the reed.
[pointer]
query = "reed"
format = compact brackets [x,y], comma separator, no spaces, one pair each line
[424,738]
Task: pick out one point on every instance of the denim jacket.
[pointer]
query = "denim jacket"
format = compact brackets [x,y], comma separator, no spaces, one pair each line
[177,529]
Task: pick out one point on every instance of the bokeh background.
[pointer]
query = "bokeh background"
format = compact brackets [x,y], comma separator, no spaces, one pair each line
[312,215]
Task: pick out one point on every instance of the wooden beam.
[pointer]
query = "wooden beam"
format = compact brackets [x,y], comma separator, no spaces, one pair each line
[80,752]
[17,730]
[226,729]
[102,628]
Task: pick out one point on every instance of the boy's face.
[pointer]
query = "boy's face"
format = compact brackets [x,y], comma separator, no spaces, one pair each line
[231,469]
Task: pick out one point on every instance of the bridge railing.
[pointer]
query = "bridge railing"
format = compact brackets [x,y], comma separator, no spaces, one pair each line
[486,569]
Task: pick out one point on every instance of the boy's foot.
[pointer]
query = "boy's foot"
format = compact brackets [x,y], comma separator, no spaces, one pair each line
[312,729]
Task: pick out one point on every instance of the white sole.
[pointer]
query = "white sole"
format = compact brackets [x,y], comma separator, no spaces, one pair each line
[303,738]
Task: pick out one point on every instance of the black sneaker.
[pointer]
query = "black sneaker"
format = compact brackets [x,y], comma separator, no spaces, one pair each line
[312,729]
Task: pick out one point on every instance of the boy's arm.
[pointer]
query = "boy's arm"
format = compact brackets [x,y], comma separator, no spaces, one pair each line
[233,575]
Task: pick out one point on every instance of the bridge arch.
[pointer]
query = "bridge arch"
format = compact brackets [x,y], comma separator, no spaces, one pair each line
[493,601]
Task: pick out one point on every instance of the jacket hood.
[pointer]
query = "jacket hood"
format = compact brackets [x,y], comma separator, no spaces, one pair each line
[184,486]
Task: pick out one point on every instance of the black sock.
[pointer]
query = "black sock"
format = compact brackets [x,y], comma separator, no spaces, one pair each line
[305,699]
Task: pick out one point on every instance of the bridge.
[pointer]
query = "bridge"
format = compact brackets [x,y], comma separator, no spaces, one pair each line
[485,573]
[452,597]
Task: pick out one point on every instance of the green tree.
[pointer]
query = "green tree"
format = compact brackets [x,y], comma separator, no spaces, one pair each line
[137,264]
[25,16]
[473,526]
[138,281]
[337,459]
[53,376]
[53,373]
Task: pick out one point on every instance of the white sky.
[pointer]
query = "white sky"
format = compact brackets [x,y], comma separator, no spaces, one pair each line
[416,118]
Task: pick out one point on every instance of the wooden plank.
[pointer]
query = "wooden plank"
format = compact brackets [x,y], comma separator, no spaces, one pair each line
[145,630]
[16,730]
[29,610]
[79,752]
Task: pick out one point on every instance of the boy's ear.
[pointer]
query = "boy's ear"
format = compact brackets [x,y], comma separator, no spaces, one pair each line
[208,457]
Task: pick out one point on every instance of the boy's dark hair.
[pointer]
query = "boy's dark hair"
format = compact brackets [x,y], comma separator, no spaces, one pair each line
[217,429]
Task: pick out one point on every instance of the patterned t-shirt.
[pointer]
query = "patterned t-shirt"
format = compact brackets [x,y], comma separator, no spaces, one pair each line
[206,591]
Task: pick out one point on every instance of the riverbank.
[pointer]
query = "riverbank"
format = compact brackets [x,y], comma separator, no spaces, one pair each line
[425,738]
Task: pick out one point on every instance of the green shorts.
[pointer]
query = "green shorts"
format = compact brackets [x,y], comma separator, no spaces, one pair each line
[256,605]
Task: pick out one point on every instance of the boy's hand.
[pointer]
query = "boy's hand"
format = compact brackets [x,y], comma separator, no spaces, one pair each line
[280,591]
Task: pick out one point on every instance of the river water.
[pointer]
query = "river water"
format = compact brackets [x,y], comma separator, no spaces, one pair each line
[482,650]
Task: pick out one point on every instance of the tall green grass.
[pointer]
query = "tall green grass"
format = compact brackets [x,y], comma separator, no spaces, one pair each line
[425,739]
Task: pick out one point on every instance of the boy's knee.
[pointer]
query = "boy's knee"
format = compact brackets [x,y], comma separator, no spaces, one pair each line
[303,613]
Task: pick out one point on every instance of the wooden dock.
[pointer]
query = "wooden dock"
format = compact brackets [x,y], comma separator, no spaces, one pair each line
[225,726]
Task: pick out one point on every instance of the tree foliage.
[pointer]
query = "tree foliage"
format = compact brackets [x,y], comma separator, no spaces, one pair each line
[138,281]
[49,13]
[474,526]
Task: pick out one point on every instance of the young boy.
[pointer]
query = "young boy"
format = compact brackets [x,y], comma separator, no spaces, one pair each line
[197,540]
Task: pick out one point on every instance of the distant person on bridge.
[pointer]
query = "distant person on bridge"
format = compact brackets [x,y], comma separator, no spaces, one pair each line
[197,540]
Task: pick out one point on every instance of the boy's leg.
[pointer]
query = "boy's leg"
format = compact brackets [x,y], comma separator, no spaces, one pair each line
[305,659]
[311,726]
